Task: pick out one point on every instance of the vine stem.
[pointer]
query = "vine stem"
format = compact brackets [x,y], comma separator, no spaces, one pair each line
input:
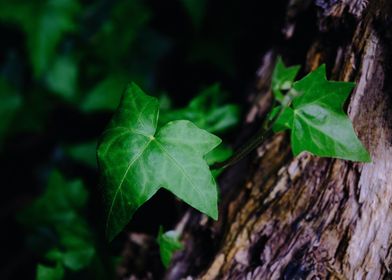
[265,132]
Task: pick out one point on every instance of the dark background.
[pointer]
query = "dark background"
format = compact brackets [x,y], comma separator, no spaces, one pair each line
[162,45]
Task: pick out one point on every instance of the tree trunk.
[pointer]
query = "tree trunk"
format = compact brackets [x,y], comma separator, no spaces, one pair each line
[307,217]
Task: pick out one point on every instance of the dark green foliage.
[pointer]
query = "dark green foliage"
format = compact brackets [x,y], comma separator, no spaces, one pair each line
[58,213]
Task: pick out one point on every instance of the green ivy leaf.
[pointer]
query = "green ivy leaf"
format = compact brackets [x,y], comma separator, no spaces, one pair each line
[318,122]
[50,273]
[136,160]
[168,244]
[282,78]
[206,111]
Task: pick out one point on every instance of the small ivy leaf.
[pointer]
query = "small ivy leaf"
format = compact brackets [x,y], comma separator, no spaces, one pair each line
[318,122]
[282,78]
[10,103]
[285,120]
[136,160]
[219,154]
[168,244]
[49,273]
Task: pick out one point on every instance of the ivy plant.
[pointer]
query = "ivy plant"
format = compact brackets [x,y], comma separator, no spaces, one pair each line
[132,147]
[139,152]
[316,118]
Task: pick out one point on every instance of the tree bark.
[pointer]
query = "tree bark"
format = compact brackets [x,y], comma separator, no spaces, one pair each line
[307,217]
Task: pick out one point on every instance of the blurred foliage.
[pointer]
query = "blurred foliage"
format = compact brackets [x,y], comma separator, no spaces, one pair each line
[207,110]
[10,103]
[63,67]
[58,228]
[168,244]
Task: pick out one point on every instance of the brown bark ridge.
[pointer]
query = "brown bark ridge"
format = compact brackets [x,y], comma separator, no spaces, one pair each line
[309,217]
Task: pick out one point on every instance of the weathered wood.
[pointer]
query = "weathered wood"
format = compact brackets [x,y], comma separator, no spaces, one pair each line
[306,217]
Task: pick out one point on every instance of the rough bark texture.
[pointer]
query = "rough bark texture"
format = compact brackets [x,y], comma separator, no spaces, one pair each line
[306,217]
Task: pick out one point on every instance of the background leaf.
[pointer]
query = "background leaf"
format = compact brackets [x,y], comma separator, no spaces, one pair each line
[168,244]
[50,273]
[207,111]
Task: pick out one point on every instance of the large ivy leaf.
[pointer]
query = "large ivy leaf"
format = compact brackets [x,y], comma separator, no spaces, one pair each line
[168,244]
[136,160]
[317,120]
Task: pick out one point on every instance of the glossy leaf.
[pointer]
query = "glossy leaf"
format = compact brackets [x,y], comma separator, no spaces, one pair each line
[136,160]
[168,244]
[317,121]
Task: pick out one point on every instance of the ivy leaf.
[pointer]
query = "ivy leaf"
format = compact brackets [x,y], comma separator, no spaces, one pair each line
[50,273]
[136,160]
[318,122]
[207,111]
[282,78]
[168,244]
